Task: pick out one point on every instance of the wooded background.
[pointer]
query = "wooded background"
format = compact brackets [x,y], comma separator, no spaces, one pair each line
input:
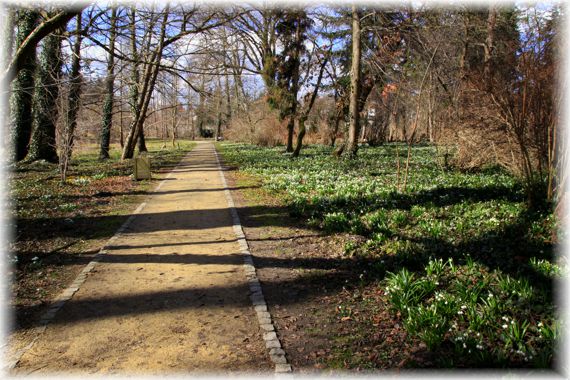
[478,83]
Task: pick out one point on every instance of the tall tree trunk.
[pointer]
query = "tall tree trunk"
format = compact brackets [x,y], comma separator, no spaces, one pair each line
[300,135]
[489,42]
[68,135]
[134,88]
[294,87]
[22,93]
[219,106]
[45,108]
[141,141]
[6,47]
[334,131]
[201,105]
[148,83]
[228,100]
[307,110]
[121,115]
[75,88]
[8,20]
[354,114]
[107,119]
[174,102]
[290,133]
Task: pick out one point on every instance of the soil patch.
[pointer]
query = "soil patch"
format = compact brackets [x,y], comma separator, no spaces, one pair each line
[328,314]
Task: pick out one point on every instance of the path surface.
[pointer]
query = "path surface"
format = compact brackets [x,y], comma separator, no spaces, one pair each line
[170,296]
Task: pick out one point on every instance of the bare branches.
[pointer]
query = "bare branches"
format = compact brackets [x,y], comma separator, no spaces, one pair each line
[27,47]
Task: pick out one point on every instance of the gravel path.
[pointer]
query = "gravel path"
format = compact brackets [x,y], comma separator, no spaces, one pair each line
[168,294]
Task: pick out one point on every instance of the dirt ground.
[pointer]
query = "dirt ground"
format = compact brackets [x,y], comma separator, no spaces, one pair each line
[169,297]
[328,317]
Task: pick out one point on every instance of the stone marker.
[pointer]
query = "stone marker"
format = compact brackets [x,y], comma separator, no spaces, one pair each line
[142,167]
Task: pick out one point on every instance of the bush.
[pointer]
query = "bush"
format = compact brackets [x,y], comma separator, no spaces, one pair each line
[259,125]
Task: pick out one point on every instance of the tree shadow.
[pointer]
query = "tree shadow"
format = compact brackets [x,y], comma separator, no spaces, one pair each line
[81,227]
[505,248]
[438,197]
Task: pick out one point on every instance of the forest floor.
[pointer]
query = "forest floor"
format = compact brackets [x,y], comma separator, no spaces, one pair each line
[307,280]
[170,294]
[456,272]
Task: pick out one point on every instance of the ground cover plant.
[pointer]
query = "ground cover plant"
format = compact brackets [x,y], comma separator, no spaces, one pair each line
[458,260]
[59,227]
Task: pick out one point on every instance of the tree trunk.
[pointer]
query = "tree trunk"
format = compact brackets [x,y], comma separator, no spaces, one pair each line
[141,141]
[219,116]
[22,95]
[135,77]
[8,20]
[334,131]
[354,114]
[121,116]
[308,106]
[228,101]
[290,132]
[201,112]
[175,111]
[294,87]
[489,42]
[300,136]
[73,103]
[149,81]
[45,108]
[107,118]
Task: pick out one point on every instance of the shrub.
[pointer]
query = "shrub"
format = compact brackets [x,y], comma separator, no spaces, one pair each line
[259,126]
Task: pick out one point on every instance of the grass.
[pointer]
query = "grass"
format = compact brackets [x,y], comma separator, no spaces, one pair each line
[458,259]
[58,225]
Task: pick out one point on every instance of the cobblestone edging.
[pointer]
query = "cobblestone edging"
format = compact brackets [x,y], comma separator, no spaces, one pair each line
[272,343]
[66,295]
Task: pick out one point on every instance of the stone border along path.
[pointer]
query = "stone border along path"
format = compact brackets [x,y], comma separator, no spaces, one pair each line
[272,343]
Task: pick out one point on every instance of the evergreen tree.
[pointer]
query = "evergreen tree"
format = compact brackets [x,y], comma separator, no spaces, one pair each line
[291,31]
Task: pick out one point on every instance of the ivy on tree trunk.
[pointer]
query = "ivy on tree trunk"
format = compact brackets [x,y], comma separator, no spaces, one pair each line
[107,120]
[22,90]
[45,107]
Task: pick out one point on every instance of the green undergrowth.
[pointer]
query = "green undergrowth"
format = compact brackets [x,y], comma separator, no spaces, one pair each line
[465,265]
[36,187]
[91,203]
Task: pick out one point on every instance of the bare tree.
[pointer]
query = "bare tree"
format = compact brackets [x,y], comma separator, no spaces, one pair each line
[74,98]
[107,119]
[354,113]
